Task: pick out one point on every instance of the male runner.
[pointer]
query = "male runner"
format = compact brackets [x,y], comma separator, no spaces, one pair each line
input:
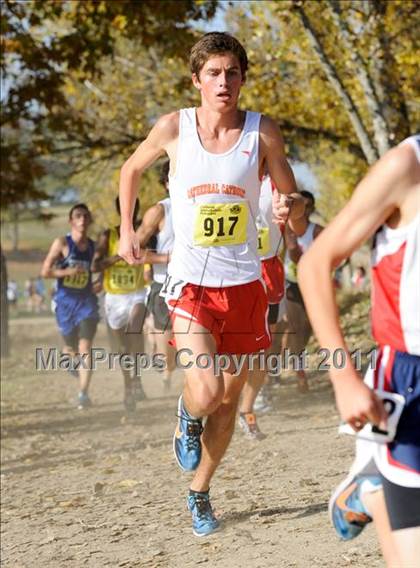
[124,303]
[270,240]
[298,328]
[217,156]
[157,221]
[76,308]
[386,202]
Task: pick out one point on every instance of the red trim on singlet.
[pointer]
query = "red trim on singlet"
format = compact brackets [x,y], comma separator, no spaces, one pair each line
[386,290]
[398,464]
[376,370]
[388,371]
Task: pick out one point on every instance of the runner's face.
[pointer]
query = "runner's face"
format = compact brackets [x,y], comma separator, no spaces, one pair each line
[80,220]
[220,81]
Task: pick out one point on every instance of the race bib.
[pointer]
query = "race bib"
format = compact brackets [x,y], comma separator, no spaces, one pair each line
[263,241]
[77,281]
[172,288]
[394,405]
[220,224]
[123,277]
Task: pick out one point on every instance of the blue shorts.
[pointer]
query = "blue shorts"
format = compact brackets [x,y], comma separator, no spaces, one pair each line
[405,380]
[398,372]
[70,311]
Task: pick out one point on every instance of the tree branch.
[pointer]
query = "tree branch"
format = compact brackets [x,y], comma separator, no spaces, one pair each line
[380,127]
[317,133]
[362,134]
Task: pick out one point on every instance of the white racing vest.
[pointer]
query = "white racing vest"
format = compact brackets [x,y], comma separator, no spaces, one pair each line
[165,242]
[214,208]
[304,242]
[270,239]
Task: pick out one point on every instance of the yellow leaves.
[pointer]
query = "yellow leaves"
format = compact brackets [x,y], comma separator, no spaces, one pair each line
[119,22]
[408,59]
[102,8]
[69,88]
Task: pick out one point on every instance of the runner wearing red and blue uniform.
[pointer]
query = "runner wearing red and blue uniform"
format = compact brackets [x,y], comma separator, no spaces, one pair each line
[384,481]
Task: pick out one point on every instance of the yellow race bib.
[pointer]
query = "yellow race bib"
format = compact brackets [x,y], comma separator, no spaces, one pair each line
[263,241]
[77,281]
[123,277]
[220,224]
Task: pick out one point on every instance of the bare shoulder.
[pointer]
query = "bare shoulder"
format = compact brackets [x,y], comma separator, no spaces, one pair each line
[268,125]
[270,133]
[399,163]
[167,126]
[58,246]
[59,243]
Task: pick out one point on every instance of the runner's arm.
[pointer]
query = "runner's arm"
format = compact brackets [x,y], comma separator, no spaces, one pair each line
[273,153]
[373,201]
[48,269]
[150,224]
[100,261]
[162,134]
[148,228]
[295,252]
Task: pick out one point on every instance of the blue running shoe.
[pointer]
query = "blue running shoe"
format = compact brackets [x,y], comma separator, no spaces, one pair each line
[203,520]
[347,513]
[187,439]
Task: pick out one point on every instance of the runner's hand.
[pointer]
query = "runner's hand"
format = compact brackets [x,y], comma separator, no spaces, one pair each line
[358,404]
[129,248]
[282,205]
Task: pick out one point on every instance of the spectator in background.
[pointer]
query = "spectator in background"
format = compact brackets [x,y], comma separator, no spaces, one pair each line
[12,293]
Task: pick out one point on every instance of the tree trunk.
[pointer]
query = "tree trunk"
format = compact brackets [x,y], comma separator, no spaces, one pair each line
[4,316]
[385,76]
[380,127]
[15,228]
[368,148]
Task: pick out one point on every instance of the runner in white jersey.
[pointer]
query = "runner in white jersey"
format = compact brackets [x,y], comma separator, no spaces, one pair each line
[384,480]
[157,221]
[270,244]
[217,155]
[297,328]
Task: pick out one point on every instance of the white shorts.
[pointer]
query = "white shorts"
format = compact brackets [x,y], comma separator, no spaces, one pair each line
[118,307]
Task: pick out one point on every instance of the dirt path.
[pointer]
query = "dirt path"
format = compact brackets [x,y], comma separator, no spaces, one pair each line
[97,489]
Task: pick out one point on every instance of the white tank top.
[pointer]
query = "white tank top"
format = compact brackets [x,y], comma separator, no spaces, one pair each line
[165,242]
[304,243]
[214,208]
[270,240]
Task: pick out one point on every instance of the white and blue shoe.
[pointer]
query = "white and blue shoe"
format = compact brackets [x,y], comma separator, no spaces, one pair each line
[187,439]
[203,520]
[347,512]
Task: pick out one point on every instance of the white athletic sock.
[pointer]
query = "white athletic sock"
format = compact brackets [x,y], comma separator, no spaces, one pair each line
[368,487]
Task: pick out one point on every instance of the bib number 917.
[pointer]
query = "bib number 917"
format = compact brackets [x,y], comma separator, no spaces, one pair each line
[221,224]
